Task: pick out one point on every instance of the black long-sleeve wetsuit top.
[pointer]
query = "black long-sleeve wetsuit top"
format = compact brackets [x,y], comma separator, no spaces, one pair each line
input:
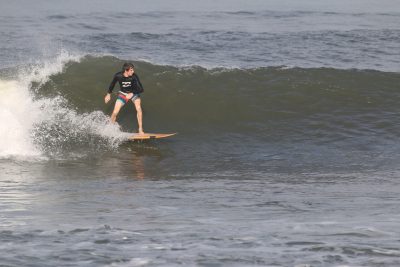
[127,85]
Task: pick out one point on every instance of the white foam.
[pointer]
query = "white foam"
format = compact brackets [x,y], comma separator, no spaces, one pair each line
[41,71]
[133,262]
[20,113]
[17,114]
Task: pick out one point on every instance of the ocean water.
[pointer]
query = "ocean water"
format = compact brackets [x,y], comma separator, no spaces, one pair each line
[287,114]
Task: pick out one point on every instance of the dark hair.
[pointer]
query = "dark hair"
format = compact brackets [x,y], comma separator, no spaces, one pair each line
[127,66]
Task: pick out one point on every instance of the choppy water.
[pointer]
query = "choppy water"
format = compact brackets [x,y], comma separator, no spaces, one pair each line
[287,145]
[344,34]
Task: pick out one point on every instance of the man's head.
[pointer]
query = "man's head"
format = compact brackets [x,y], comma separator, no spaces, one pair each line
[128,69]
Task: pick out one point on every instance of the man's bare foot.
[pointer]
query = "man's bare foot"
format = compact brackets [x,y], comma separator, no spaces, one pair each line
[140,131]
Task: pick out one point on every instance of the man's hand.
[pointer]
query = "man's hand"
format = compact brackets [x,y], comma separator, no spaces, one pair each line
[107,98]
[129,96]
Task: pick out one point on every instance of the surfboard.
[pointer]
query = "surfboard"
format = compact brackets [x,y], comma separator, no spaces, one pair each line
[147,136]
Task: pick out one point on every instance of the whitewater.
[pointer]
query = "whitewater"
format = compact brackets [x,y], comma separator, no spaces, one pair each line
[28,119]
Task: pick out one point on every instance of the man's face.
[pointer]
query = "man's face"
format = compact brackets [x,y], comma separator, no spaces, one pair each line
[130,72]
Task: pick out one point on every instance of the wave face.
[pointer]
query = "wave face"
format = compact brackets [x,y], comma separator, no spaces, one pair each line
[265,102]
[64,108]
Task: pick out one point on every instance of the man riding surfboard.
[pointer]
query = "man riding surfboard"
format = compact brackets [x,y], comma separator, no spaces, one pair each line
[130,89]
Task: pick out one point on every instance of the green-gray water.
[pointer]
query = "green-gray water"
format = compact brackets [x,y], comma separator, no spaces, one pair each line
[287,145]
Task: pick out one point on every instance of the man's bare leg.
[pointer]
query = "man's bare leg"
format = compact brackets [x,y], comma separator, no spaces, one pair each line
[139,112]
[117,108]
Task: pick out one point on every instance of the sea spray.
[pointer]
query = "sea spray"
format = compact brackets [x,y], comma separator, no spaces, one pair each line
[62,130]
[35,126]
[18,113]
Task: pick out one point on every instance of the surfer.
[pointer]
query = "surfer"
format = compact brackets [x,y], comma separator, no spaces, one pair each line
[130,89]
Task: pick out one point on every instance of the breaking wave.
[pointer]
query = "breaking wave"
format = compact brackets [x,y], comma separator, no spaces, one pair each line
[59,106]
